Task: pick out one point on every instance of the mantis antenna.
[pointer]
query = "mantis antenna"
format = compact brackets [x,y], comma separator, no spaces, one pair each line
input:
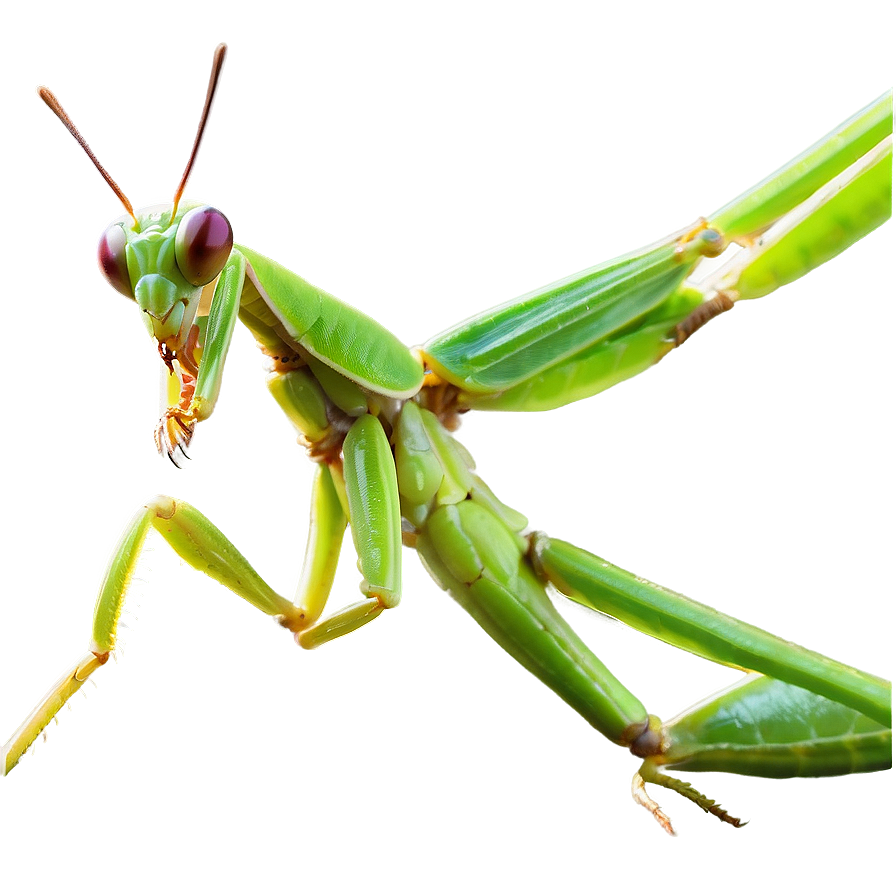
[217,63]
[49,98]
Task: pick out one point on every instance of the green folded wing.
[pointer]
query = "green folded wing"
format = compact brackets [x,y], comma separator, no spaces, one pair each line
[510,344]
[342,337]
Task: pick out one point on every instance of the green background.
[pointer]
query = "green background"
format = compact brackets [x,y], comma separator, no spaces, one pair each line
[424,162]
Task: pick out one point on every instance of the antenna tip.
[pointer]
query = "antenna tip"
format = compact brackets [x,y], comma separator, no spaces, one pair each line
[46,95]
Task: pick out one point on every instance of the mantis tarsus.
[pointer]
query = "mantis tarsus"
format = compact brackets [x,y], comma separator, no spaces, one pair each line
[377,419]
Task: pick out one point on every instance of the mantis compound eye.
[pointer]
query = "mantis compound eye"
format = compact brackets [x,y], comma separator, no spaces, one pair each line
[202,245]
[113,260]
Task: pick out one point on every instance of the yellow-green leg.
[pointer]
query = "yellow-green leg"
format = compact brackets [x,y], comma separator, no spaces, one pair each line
[204,547]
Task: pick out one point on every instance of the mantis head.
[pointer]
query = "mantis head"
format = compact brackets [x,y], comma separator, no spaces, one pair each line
[162,256]
[162,259]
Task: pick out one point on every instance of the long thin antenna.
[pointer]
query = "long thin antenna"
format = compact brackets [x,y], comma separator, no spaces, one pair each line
[217,62]
[50,99]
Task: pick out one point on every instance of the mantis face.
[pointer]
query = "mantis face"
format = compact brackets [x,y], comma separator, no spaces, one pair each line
[161,258]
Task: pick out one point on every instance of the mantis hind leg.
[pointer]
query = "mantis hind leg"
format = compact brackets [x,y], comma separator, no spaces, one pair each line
[807,716]
[684,623]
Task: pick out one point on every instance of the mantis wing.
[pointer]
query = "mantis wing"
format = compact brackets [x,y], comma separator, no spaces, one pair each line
[343,338]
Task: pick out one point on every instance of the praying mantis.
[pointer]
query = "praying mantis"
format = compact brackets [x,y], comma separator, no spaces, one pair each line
[377,419]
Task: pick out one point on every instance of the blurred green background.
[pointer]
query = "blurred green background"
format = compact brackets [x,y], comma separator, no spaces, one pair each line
[423,161]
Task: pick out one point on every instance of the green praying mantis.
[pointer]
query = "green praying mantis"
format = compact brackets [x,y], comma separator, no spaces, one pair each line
[378,418]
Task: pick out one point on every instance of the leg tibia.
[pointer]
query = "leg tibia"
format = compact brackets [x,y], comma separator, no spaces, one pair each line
[340,623]
[325,534]
[110,600]
[41,715]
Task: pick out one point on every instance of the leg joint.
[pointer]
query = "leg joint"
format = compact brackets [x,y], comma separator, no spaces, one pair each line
[162,506]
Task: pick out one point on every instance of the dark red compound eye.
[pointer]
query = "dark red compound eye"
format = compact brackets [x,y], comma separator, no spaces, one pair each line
[202,245]
[113,260]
